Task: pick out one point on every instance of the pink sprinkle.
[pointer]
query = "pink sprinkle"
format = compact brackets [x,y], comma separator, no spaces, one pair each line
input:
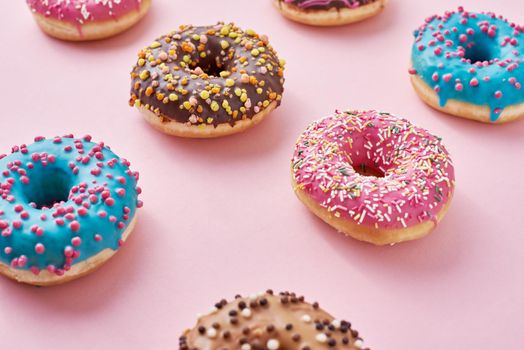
[98,237]
[435,77]
[447,77]
[123,181]
[474,82]
[39,248]
[459,87]
[76,241]
[74,226]
[68,251]
[110,201]
[22,260]
[8,250]
[17,224]
[463,38]
[498,94]
[412,71]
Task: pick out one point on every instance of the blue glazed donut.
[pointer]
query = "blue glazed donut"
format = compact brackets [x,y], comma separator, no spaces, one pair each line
[66,205]
[470,65]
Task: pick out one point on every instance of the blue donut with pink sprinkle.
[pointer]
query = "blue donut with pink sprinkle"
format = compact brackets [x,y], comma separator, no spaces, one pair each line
[62,202]
[474,58]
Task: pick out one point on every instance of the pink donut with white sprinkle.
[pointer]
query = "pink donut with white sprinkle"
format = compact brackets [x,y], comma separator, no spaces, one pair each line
[373,176]
[329,12]
[81,20]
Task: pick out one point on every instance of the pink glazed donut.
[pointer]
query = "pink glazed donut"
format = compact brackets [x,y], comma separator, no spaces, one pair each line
[81,20]
[373,176]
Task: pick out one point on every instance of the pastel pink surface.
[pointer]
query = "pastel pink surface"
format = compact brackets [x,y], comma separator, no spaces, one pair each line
[220,217]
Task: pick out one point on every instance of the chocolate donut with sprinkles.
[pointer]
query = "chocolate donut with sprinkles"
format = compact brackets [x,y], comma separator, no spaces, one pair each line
[267,321]
[66,206]
[470,65]
[329,12]
[207,81]
[82,20]
[373,176]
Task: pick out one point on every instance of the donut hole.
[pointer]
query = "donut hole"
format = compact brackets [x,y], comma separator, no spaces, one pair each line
[48,187]
[367,170]
[478,53]
[211,65]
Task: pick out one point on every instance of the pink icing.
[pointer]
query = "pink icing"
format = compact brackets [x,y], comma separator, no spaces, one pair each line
[325,3]
[82,11]
[418,172]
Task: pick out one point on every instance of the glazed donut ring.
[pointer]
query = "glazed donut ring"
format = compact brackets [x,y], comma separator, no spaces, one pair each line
[270,322]
[470,65]
[207,81]
[329,12]
[83,20]
[372,176]
[66,206]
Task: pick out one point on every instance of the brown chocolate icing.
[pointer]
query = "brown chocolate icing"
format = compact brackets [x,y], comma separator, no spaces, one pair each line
[207,75]
[270,322]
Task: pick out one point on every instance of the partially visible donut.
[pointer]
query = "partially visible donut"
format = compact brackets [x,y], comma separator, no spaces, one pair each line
[267,321]
[329,12]
[207,81]
[469,65]
[373,176]
[82,20]
[66,206]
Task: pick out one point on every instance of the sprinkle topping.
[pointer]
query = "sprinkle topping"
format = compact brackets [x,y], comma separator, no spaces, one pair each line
[83,11]
[208,75]
[374,169]
[55,210]
[471,57]
[276,324]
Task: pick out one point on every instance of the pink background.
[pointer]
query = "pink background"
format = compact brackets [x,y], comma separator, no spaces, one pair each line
[220,217]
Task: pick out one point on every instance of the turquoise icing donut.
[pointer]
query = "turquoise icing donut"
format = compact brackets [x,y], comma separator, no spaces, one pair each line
[62,201]
[471,57]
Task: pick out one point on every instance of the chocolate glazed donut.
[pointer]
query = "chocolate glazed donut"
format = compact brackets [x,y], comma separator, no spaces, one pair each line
[266,321]
[206,78]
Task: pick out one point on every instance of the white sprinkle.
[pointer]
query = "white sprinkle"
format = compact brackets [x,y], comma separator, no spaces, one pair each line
[358,343]
[306,318]
[336,323]
[321,338]
[273,344]
[245,346]
[246,312]
[211,332]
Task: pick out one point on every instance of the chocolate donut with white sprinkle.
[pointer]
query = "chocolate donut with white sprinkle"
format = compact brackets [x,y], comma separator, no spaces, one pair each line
[207,81]
[269,321]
